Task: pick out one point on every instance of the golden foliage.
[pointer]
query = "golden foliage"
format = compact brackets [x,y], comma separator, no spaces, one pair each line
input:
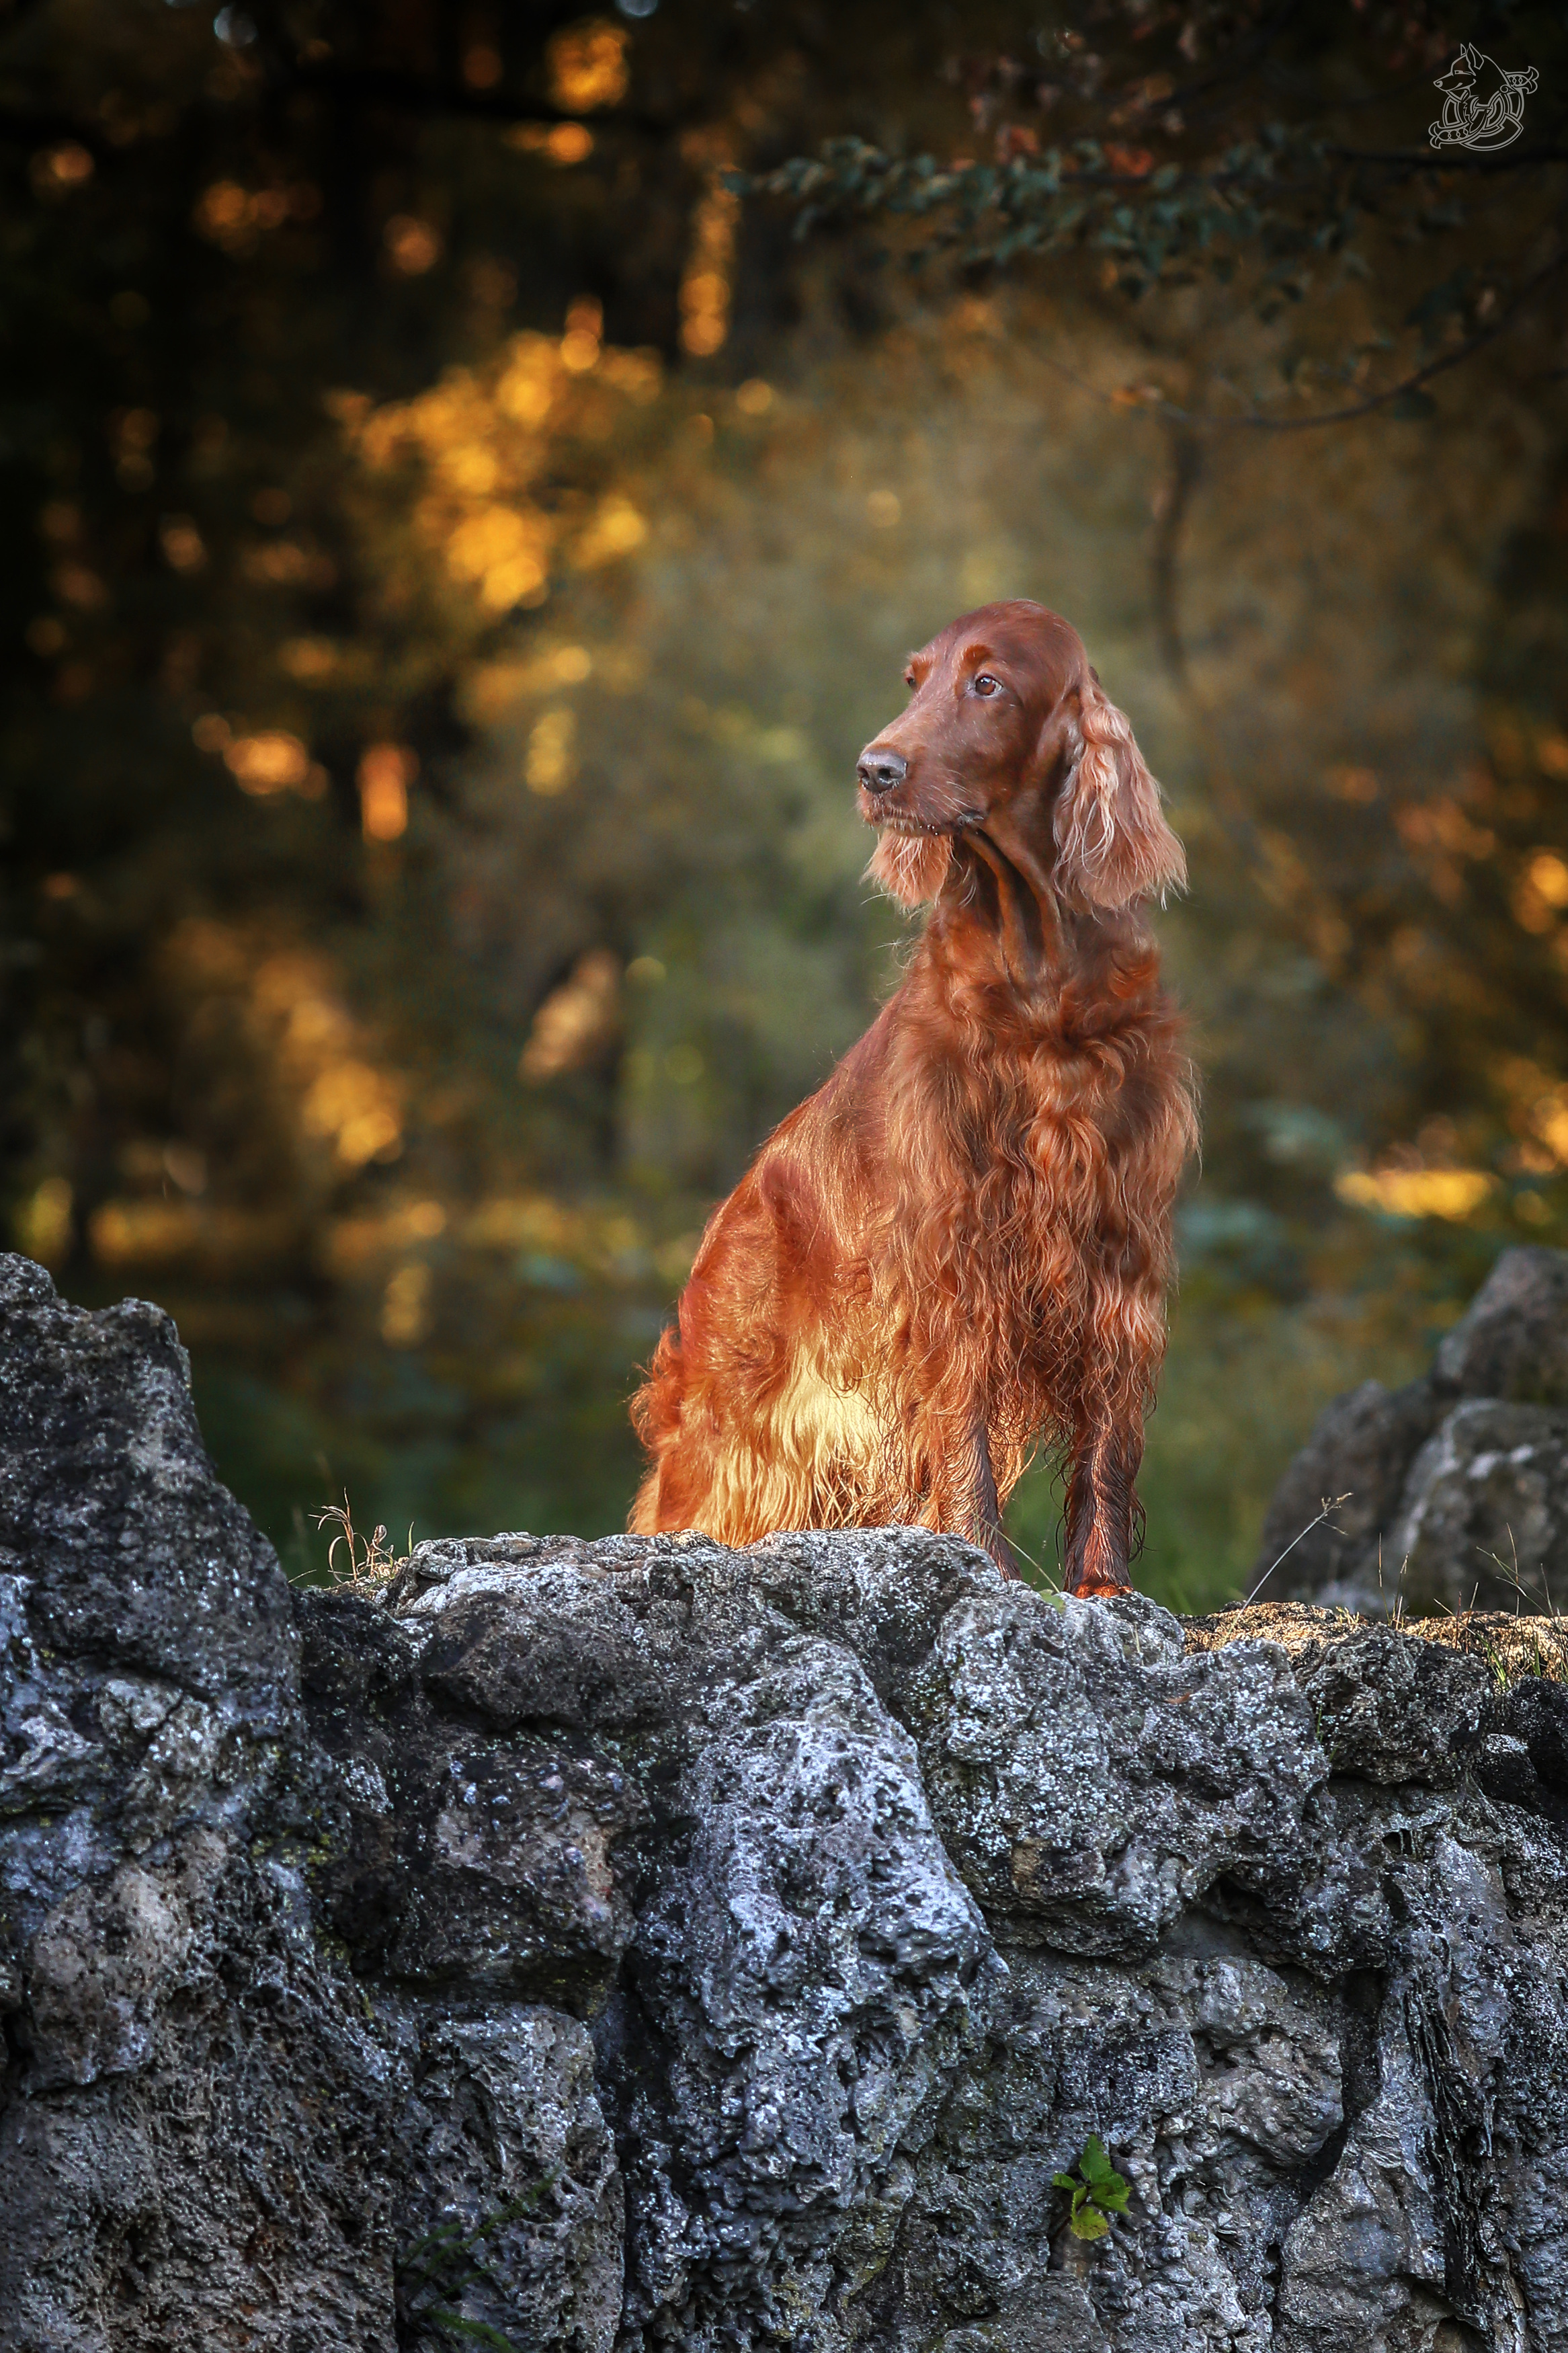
[1540,892]
[406,1305]
[352,1105]
[43,1224]
[710,267]
[550,763]
[232,216]
[588,65]
[183,547]
[413,246]
[482,441]
[355,1242]
[386,773]
[563,143]
[1538,1114]
[615,528]
[143,1232]
[59,169]
[310,660]
[1451,1193]
[577,1020]
[271,762]
[345,1101]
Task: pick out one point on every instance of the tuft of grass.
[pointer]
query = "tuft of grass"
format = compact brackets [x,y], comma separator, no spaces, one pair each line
[356,1563]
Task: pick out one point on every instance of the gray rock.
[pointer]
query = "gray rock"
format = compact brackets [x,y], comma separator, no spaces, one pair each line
[1512,1341]
[1485,1520]
[194,2122]
[505,2145]
[1416,1524]
[604,1947]
[1357,1460]
[809,1967]
[136,1552]
[97,1972]
[1054,2316]
[1390,1710]
[1090,1780]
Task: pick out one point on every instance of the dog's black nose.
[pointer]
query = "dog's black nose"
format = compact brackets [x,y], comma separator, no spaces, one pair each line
[880,771]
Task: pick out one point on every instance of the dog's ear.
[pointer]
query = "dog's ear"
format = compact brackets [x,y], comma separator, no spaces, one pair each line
[1113,845]
[911,867]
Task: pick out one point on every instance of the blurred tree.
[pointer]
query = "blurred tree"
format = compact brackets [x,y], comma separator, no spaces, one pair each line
[1300,222]
[1172,145]
[460,543]
[338,337]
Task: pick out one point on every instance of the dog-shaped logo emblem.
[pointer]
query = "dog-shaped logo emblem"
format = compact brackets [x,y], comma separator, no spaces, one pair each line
[1483,105]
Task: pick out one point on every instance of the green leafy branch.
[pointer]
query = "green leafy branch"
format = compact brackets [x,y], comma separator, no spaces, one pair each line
[1097,2190]
[1156,224]
[1288,206]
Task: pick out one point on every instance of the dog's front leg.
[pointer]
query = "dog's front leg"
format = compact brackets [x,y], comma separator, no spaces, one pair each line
[1100,1515]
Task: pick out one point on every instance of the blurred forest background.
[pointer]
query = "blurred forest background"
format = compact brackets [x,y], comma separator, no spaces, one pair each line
[470,473]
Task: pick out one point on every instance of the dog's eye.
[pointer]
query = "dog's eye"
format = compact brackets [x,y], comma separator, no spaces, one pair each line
[909,678]
[986,684]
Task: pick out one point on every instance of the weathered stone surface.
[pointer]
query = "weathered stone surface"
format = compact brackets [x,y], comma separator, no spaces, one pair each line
[507,2147]
[1452,1491]
[1357,1459]
[108,1499]
[1091,1781]
[808,1967]
[1512,1342]
[1384,1708]
[637,1945]
[193,2120]
[1486,1508]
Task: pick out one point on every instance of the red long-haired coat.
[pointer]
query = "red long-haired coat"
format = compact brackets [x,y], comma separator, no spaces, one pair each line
[961,1244]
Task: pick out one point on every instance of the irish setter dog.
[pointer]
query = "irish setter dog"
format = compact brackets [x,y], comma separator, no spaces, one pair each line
[961,1244]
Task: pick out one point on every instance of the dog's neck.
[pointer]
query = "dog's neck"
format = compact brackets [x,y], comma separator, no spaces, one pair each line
[1008,914]
[1000,921]
[999,913]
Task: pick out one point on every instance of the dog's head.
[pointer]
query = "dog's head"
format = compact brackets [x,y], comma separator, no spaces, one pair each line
[1007,733]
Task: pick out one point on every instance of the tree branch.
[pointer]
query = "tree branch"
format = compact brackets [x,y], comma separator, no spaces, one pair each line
[412,93]
[1255,421]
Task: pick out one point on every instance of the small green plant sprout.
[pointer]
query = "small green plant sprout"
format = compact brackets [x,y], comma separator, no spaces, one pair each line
[1098,2192]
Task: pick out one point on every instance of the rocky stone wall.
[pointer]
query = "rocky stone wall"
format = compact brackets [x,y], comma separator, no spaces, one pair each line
[637,1945]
